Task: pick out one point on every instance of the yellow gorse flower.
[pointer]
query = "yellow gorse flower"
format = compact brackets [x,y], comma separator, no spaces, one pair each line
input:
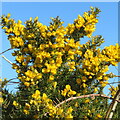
[44,97]
[68,87]
[26,111]
[36,95]
[15,103]
[1,100]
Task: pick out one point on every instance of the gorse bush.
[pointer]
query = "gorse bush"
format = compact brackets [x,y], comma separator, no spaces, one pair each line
[54,69]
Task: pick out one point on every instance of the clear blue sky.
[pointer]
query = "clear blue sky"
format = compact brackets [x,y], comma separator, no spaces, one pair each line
[68,11]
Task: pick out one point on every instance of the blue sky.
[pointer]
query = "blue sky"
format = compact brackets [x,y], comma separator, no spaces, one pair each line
[68,11]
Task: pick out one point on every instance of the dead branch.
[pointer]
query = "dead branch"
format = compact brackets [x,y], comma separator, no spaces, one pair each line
[84,96]
[112,106]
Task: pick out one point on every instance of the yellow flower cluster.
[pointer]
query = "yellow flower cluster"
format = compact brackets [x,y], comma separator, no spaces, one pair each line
[72,65]
[14,28]
[90,25]
[1,100]
[53,111]
[79,22]
[87,22]
[26,108]
[16,104]
[113,90]
[67,91]
[112,52]
[16,41]
[87,100]
[30,77]
[38,100]
[68,113]
[96,63]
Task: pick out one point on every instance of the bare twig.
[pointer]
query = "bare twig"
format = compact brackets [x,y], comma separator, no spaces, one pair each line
[14,82]
[117,76]
[12,79]
[5,51]
[7,60]
[84,96]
